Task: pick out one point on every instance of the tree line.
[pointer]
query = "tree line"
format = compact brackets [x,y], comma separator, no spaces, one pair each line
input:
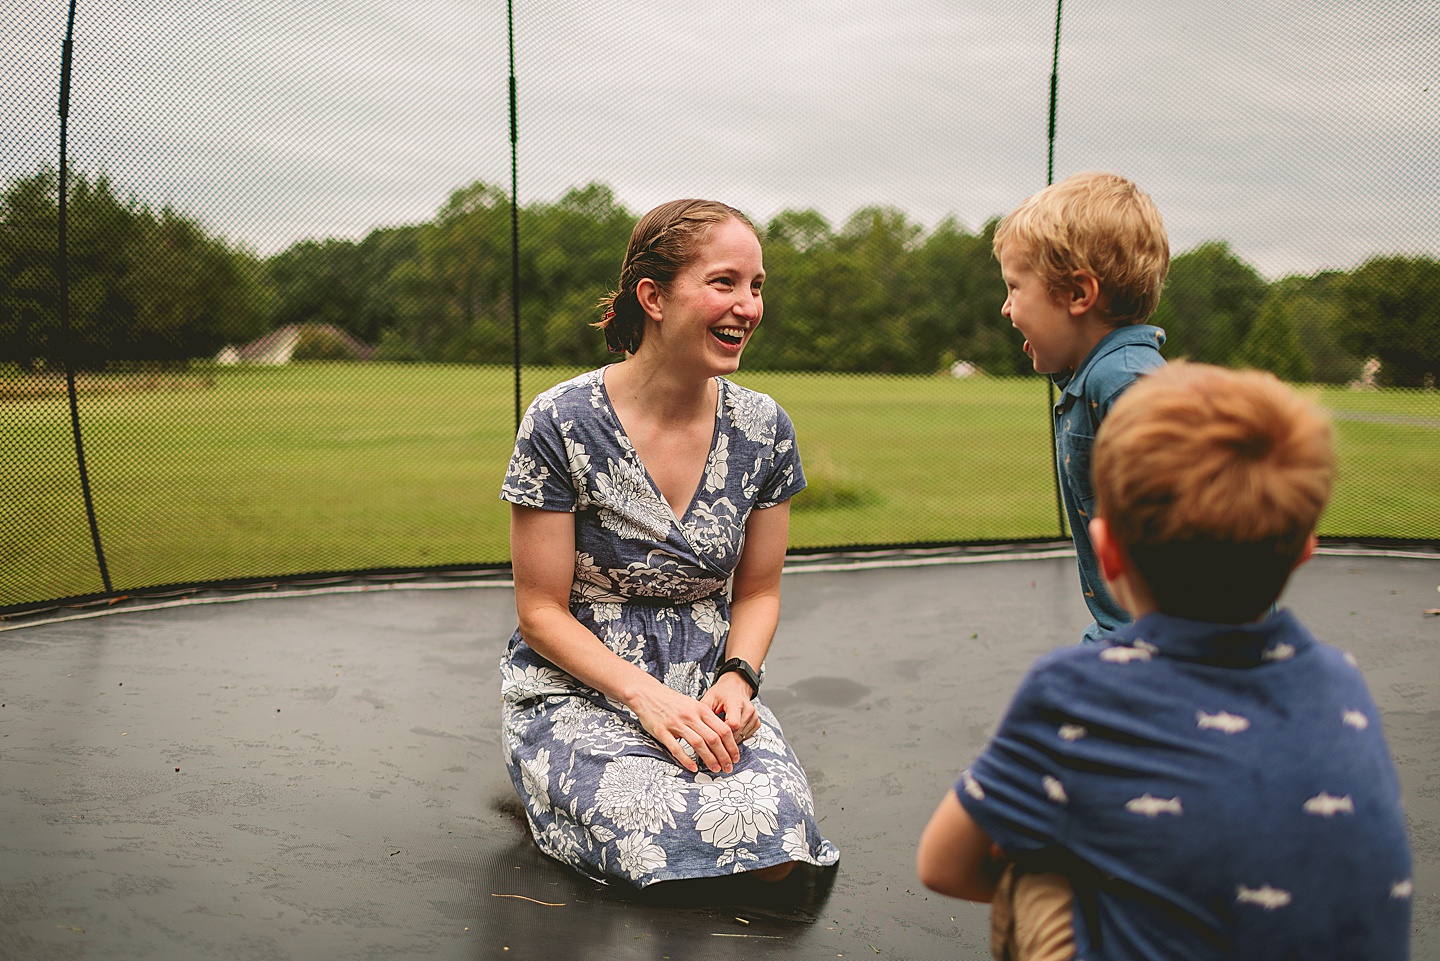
[878,293]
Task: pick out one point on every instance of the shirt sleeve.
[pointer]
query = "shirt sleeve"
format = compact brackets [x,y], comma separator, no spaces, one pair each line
[786,477]
[1015,789]
[539,472]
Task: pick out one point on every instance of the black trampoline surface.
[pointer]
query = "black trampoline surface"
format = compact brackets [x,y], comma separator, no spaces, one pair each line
[320,776]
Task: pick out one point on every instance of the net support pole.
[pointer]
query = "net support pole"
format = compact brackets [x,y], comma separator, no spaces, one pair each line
[62,276]
[514,210]
[1049,179]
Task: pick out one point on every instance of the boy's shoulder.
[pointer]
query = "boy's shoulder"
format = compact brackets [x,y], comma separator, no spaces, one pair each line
[1157,639]
[1116,362]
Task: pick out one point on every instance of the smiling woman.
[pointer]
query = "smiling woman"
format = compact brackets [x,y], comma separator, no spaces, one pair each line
[649,520]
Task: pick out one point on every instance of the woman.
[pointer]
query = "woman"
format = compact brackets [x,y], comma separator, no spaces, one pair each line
[639,492]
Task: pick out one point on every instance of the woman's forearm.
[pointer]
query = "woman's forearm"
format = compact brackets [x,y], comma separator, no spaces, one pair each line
[755,591]
[752,627]
[557,636]
[542,551]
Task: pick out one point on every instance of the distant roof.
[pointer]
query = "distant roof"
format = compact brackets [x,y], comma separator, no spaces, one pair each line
[279,345]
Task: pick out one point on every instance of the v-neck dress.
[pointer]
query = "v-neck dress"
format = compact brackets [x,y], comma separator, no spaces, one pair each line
[600,793]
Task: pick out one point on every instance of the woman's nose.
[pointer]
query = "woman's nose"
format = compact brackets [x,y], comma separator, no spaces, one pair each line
[748,304]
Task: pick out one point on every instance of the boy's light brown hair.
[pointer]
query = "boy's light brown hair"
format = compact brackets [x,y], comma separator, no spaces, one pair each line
[1096,222]
[1211,482]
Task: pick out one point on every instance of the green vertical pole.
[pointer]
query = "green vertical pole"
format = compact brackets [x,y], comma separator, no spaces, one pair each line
[1049,179]
[514,210]
[62,276]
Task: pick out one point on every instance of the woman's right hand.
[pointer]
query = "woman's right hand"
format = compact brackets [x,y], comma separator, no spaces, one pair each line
[542,556]
[679,722]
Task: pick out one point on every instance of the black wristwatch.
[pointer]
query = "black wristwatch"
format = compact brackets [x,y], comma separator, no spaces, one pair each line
[742,668]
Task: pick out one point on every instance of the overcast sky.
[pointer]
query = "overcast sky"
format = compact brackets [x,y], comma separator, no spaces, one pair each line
[1306,133]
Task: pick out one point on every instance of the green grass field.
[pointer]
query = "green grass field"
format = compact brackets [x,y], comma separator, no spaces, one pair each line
[256,472]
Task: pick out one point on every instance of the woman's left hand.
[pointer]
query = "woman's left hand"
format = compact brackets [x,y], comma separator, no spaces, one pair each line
[730,698]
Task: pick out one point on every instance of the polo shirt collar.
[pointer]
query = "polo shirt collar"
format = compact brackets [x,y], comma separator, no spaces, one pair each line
[1278,637]
[1072,382]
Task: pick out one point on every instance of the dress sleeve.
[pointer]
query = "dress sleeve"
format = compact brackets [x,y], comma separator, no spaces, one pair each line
[539,471]
[1015,789]
[786,477]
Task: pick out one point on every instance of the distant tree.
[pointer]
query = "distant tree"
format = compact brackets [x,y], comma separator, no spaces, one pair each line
[1209,303]
[321,342]
[1273,345]
[1392,311]
[191,292]
[880,295]
[144,285]
[1310,307]
[453,296]
[964,293]
[798,332]
[340,282]
[883,302]
[571,253]
[29,289]
[799,230]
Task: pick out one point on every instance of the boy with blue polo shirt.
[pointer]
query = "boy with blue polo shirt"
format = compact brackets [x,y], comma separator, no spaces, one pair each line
[1211,781]
[1083,262]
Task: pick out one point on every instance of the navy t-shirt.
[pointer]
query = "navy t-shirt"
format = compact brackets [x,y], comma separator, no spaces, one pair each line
[1217,791]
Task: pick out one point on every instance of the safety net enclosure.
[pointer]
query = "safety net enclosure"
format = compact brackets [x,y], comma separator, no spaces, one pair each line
[276,280]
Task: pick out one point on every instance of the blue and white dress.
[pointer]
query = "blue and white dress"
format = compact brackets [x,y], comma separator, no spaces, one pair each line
[600,793]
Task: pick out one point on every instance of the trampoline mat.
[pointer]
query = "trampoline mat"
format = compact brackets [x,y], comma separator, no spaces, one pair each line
[321,776]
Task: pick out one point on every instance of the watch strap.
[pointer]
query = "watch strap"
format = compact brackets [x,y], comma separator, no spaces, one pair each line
[743,668]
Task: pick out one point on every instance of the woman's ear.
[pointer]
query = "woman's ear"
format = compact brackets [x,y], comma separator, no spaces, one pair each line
[1084,292]
[647,292]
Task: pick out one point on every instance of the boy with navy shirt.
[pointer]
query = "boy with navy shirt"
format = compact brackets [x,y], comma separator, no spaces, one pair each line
[1083,262]
[1211,781]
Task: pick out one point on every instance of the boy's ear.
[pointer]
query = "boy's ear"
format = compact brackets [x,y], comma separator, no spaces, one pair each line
[1084,292]
[1113,562]
[647,292]
[1308,551]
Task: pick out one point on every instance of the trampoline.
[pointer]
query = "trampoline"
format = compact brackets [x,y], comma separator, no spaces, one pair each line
[318,774]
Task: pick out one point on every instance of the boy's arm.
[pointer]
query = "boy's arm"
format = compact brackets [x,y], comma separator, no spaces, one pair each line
[956,856]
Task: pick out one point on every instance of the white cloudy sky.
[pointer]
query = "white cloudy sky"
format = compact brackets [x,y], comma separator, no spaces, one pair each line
[1304,132]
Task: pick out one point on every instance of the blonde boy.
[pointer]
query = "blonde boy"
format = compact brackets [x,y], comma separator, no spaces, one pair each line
[1212,780]
[1083,262]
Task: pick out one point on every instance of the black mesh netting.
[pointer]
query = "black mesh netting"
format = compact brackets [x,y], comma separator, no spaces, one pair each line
[280,335]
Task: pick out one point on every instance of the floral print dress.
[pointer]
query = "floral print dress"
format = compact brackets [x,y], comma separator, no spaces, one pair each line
[600,793]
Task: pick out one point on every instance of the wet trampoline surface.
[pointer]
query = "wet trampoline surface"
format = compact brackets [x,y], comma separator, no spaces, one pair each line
[321,777]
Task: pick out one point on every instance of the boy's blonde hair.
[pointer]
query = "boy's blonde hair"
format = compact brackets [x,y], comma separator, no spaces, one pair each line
[1211,482]
[1096,222]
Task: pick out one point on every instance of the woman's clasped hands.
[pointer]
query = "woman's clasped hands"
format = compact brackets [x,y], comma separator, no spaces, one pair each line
[708,731]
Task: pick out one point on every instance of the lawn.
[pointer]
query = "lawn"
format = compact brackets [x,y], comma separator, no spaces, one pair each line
[239,473]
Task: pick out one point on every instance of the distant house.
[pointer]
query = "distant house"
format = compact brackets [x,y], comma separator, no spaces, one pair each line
[963,368]
[1369,376]
[324,341]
